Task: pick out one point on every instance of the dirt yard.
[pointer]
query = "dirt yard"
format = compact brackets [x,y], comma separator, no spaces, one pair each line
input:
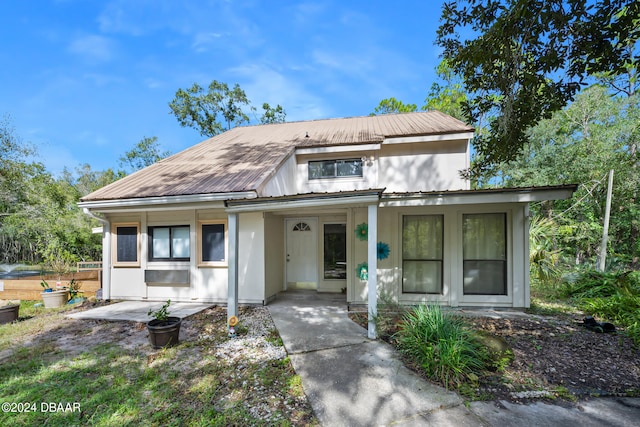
[558,353]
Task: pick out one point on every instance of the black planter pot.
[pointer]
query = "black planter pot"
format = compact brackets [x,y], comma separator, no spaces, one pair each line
[164,333]
[9,313]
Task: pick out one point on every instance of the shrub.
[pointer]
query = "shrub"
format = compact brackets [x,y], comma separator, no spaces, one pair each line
[611,296]
[596,284]
[442,345]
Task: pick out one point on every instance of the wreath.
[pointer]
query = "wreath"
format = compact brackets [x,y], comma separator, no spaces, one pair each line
[383,250]
[362,231]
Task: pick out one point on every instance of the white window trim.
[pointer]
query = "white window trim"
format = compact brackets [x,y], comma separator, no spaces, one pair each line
[213,264]
[336,177]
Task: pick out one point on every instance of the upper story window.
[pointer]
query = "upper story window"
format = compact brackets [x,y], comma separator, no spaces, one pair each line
[319,169]
[169,243]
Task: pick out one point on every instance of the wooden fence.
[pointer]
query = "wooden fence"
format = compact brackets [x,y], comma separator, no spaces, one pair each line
[29,288]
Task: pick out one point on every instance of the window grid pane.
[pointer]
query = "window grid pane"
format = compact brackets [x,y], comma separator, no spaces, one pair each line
[127,244]
[322,169]
[180,242]
[349,167]
[161,243]
[424,277]
[213,243]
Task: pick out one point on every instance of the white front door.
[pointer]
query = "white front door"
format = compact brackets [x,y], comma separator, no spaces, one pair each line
[302,253]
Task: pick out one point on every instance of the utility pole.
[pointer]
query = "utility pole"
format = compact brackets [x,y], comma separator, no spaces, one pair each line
[605,231]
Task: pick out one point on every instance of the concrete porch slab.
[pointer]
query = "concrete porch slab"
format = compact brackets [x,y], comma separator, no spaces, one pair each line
[136,311]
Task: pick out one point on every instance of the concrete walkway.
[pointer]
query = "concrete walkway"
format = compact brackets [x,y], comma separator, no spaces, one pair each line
[137,310]
[353,381]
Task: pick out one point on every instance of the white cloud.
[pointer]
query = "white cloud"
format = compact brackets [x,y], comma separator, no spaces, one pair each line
[203,41]
[92,47]
[153,83]
[263,83]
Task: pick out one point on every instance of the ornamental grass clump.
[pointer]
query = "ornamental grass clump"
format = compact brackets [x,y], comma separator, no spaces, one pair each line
[442,345]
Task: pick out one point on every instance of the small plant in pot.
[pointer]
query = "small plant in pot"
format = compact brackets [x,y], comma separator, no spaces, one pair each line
[51,298]
[164,330]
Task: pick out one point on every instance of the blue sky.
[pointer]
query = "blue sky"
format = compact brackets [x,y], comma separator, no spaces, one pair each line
[87,80]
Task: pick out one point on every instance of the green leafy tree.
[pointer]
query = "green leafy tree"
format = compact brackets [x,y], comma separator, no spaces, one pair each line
[448,95]
[521,60]
[272,114]
[393,106]
[212,112]
[14,166]
[580,144]
[145,153]
[39,218]
[86,180]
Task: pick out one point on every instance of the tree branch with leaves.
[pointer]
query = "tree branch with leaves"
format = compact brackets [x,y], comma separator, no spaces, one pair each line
[526,59]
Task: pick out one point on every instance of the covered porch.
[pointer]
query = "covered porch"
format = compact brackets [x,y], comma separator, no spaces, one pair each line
[295,258]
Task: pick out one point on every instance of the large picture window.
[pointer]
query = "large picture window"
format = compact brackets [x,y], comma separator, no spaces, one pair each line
[422,248]
[335,168]
[485,254]
[169,243]
[335,251]
[127,249]
[212,243]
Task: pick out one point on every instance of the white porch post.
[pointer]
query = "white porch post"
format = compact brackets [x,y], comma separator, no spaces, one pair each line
[372,261]
[232,294]
[106,262]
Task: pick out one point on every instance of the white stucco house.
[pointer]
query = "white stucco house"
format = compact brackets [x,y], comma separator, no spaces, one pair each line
[358,205]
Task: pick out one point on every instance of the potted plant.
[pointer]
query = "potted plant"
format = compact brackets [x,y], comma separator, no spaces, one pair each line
[75,295]
[164,330]
[51,298]
[9,312]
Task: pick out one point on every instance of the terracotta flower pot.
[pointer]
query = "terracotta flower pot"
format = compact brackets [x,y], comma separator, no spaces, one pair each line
[164,333]
[9,313]
[55,298]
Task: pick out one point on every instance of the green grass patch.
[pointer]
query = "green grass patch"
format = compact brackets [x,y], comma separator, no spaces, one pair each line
[109,385]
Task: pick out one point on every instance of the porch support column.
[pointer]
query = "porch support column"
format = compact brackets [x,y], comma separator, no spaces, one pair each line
[232,293]
[372,261]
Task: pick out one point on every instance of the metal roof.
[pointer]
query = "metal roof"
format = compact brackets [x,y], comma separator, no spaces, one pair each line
[240,159]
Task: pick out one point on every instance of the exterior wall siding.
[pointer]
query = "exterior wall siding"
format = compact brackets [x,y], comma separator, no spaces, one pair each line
[284,181]
[206,284]
[405,167]
[390,269]
[274,254]
[425,166]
